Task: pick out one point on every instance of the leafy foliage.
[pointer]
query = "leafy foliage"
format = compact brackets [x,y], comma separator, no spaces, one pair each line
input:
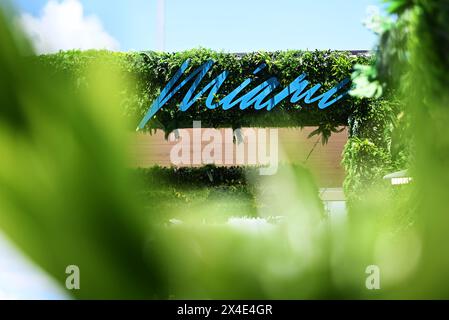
[367,163]
[378,145]
[208,175]
[152,70]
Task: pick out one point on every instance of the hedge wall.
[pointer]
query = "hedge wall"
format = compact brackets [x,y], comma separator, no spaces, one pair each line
[152,70]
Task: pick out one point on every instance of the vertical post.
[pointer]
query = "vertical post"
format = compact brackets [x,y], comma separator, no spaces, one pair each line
[160,28]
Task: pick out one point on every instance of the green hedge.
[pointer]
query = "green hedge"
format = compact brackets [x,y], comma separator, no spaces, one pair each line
[152,70]
[375,146]
[208,176]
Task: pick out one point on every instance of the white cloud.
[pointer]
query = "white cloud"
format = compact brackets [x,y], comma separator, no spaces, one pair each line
[63,26]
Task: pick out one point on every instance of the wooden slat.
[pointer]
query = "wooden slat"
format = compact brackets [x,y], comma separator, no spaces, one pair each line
[324,161]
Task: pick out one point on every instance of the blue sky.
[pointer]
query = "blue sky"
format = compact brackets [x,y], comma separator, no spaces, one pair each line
[230,25]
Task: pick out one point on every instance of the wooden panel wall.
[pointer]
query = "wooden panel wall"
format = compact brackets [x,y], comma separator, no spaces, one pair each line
[294,146]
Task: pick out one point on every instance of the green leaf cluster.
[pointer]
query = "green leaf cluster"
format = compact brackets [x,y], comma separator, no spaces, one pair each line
[150,72]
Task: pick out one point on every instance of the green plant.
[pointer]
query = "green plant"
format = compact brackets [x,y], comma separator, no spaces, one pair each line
[377,146]
[152,70]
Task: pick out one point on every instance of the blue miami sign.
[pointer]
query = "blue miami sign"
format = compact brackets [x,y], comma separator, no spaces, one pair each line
[261,97]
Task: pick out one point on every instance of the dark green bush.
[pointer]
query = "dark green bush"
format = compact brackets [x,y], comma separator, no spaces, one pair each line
[376,146]
[208,175]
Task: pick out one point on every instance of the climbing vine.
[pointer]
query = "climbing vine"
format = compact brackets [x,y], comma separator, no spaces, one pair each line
[151,71]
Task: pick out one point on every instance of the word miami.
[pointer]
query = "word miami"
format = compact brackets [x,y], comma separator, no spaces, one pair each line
[261,96]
